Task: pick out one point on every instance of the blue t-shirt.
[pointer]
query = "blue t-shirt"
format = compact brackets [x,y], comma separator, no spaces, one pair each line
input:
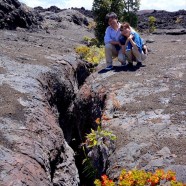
[136,38]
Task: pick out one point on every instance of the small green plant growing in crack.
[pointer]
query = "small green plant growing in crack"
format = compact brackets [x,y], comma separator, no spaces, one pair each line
[93,139]
[98,144]
[88,169]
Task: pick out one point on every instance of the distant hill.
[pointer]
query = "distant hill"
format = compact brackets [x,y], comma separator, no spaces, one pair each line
[141,12]
[164,19]
[14,14]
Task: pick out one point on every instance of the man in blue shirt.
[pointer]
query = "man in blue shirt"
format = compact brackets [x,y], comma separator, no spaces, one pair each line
[111,40]
[132,45]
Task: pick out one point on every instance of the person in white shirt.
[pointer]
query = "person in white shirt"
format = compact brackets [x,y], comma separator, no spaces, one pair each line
[111,40]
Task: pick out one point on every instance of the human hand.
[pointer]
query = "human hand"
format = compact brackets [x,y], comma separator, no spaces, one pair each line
[130,37]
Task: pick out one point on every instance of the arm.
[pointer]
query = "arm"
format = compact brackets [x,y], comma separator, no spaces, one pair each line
[133,43]
[123,47]
[108,39]
[123,44]
[136,41]
[115,42]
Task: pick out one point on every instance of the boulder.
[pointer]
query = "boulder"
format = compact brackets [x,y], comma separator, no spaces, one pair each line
[14,14]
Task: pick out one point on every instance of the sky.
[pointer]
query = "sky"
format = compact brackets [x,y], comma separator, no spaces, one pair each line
[169,5]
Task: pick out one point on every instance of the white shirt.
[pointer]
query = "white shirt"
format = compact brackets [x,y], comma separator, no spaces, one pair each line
[111,34]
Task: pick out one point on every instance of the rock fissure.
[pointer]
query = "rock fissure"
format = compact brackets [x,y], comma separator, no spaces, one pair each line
[76,112]
[54,162]
[48,118]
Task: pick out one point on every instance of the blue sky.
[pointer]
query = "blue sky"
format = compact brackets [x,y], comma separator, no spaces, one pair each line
[169,5]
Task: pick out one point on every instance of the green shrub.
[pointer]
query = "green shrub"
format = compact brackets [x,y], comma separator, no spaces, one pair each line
[90,41]
[152,21]
[131,18]
[91,25]
[93,139]
[178,20]
[100,8]
[92,54]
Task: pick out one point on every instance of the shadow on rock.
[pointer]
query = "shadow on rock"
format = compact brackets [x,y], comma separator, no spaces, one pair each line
[122,68]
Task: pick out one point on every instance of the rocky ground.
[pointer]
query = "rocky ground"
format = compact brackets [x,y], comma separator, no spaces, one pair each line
[146,107]
[36,69]
[45,104]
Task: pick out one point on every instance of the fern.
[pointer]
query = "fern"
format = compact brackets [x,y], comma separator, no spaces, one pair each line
[88,169]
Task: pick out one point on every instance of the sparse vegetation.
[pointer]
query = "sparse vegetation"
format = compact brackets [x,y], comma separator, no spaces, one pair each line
[178,20]
[90,41]
[92,54]
[88,169]
[152,21]
[96,147]
[141,178]
[93,139]
[91,26]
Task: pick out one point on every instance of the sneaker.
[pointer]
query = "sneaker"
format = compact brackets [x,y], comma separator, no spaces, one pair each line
[139,64]
[130,65]
[109,67]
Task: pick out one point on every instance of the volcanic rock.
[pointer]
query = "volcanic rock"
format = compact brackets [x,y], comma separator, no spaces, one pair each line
[14,14]
[164,20]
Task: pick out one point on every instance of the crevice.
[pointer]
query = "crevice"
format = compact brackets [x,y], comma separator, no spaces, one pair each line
[77,115]
[83,117]
[54,162]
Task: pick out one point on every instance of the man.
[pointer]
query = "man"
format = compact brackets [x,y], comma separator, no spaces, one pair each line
[111,40]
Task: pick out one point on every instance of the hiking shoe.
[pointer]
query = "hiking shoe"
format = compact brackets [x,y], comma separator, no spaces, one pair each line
[109,67]
[130,65]
[139,64]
